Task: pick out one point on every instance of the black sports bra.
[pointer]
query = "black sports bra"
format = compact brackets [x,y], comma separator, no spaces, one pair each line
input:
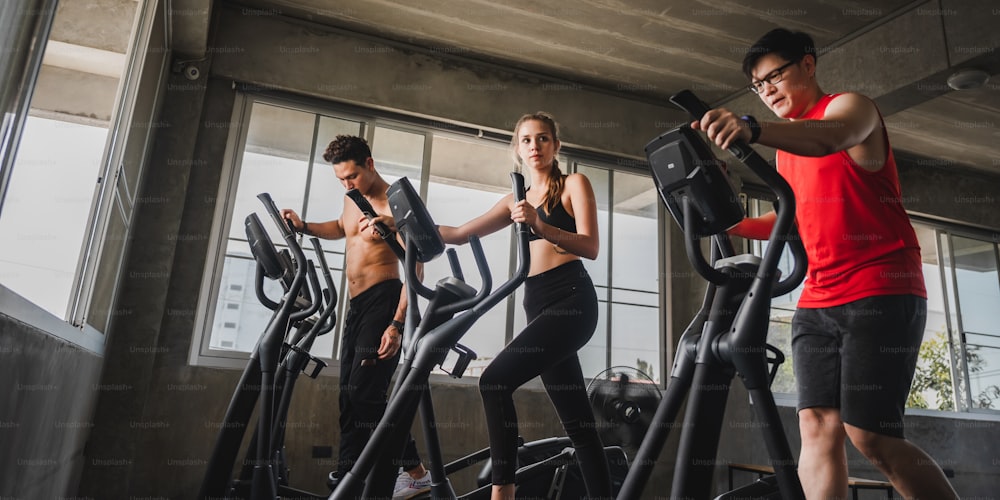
[559,218]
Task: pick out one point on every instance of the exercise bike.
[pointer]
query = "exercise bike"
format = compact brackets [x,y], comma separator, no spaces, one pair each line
[270,375]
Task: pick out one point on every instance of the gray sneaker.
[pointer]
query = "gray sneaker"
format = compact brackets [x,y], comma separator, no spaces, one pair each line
[407,487]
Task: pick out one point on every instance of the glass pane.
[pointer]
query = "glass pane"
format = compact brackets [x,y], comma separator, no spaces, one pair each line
[594,355]
[466,179]
[398,154]
[932,386]
[324,345]
[978,290]
[326,194]
[636,338]
[634,256]
[275,161]
[978,287]
[955,340]
[600,181]
[239,318]
[39,259]
[779,334]
[635,270]
[101,315]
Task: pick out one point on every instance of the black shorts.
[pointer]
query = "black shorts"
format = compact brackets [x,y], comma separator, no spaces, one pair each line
[860,357]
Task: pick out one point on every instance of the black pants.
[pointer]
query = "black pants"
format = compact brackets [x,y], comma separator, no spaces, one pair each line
[561,308]
[365,379]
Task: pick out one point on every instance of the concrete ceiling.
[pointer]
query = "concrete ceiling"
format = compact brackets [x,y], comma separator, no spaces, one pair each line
[900,52]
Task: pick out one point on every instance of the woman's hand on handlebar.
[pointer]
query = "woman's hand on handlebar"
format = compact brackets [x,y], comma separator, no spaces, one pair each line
[523,211]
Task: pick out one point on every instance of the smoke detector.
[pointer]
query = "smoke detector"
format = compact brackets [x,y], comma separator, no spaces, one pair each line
[968,79]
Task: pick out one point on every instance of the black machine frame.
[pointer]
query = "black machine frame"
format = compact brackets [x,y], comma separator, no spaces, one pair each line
[273,368]
[728,335]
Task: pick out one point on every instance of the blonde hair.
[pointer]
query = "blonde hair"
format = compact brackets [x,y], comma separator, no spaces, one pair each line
[558,180]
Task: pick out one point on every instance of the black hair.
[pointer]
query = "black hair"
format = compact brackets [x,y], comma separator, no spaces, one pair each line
[791,46]
[348,147]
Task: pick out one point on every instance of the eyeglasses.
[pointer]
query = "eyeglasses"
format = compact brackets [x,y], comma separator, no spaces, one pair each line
[771,79]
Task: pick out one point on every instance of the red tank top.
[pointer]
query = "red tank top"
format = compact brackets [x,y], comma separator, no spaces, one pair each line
[857,236]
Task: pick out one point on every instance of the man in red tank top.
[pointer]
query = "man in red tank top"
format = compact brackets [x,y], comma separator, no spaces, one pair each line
[860,319]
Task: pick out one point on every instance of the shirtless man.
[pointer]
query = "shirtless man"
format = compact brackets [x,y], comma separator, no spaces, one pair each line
[374,325]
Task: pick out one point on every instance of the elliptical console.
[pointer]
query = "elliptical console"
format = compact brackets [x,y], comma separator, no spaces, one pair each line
[683,166]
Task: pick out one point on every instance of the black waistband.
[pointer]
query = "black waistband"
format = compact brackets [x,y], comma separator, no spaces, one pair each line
[376,291]
[571,270]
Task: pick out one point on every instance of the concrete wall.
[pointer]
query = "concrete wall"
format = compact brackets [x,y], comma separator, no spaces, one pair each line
[50,389]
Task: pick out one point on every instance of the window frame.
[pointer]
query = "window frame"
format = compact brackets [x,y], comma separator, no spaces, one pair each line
[960,377]
[72,325]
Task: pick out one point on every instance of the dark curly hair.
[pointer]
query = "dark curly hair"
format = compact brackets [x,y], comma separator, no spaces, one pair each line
[347,147]
[791,46]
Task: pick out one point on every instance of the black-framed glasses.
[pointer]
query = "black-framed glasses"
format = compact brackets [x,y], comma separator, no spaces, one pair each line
[771,79]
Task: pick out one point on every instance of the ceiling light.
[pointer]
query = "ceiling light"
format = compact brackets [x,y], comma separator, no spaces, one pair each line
[968,78]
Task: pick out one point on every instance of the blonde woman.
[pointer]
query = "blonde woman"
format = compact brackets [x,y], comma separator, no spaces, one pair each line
[559,301]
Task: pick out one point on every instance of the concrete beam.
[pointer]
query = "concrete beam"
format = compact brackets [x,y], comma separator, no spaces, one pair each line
[189,22]
[275,53]
[84,59]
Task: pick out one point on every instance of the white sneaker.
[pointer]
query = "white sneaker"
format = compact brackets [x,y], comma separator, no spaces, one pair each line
[407,487]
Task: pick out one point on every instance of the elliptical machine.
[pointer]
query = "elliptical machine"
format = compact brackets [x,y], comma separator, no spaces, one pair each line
[548,465]
[273,368]
[728,335]
[427,341]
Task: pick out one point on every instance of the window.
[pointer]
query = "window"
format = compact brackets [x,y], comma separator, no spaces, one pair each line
[632,285]
[967,323]
[40,261]
[467,177]
[460,174]
[66,257]
[281,155]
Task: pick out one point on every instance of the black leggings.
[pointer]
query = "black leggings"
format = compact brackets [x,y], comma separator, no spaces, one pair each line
[561,308]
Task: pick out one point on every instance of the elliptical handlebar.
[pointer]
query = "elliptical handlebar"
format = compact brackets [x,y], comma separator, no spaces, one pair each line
[330,294]
[523,254]
[784,225]
[484,273]
[798,273]
[315,298]
[289,235]
[697,259]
